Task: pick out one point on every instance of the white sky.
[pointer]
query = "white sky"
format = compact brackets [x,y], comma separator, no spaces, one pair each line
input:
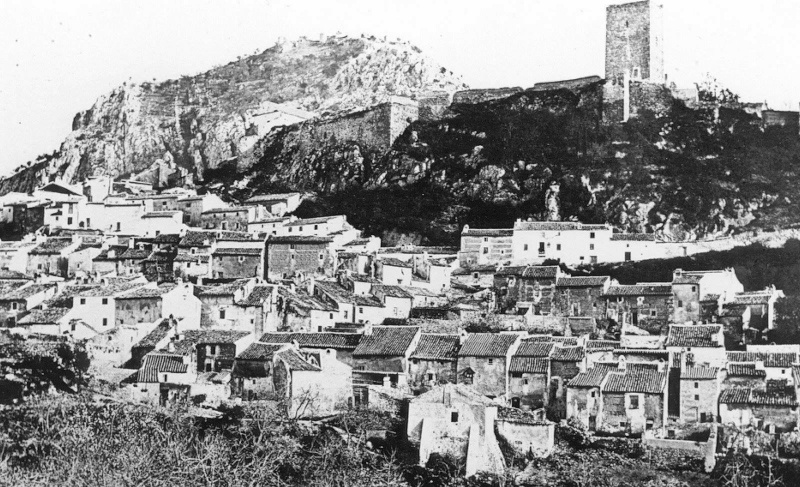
[57,57]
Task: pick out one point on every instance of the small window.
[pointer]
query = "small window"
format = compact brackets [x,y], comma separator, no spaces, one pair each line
[105,321]
[430,376]
[83,300]
[105,300]
[316,227]
[696,385]
[652,313]
[694,288]
[213,349]
[454,416]
[491,361]
[241,258]
[222,314]
[525,247]
[591,234]
[634,402]
[331,316]
[525,381]
[593,393]
[696,397]
[291,246]
[680,303]
[591,246]
[558,246]
[474,275]
[194,250]
[14,306]
[361,310]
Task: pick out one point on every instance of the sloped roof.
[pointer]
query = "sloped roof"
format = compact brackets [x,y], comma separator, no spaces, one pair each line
[488,232]
[655,289]
[386,341]
[260,351]
[51,246]
[556,226]
[119,250]
[155,363]
[541,271]
[156,335]
[44,316]
[193,338]
[295,362]
[756,297]
[25,292]
[455,393]
[693,336]
[257,296]
[699,373]
[647,381]
[237,251]
[229,209]
[436,347]
[529,365]
[6,274]
[745,370]
[487,345]
[685,278]
[755,397]
[391,261]
[582,281]
[336,341]
[592,377]
[110,289]
[565,341]
[419,291]
[148,292]
[601,345]
[270,197]
[633,237]
[298,239]
[770,359]
[227,289]
[392,291]
[528,348]
[335,292]
[567,354]
[195,238]
[312,221]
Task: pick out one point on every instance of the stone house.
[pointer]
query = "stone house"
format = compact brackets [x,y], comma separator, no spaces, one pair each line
[156,223]
[80,260]
[571,243]
[625,247]
[634,399]
[50,321]
[110,260]
[434,360]
[156,339]
[484,360]
[600,350]
[252,373]
[268,226]
[16,300]
[187,266]
[645,305]
[338,297]
[425,298]
[584,394]
[313,384]
[697,345]
[160,377]
[299,257]
[383,355]
[227,218]
[396,301]
[762,307]
[476,276]
[97,305]
[750,374]
[700,388]
[775,365]
[237,263]
[343,343]
[525,432]
[14,256]
[527,287]
[395,272]
[773,410]
[368,310]
[565,363]
[693,288]
[141,305]
[581,296]
[210,350]
[455,420]
[51,256]
[485,246]
[301,312]
[260,305]
[219,305]
[276,204]
[529,372]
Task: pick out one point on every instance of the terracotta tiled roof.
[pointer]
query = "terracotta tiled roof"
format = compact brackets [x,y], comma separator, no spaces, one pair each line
[26,292]
[167,238]
[192,338]
[335,292]
[295,361]
[687,279]
[656,289]
[601,345]
[156,335]
[770,359]
[633,237]
[582,281]
[262,198]
[44,316]
[336,341]
[298,239]
[393,291]
[6,274]
[704,336]
[654,352]
[148,292]
[567,354]
[565,341]
[390,261]
[515,415]
[260,351]
[237,251]
[312,221]
[528,348]
[742,395]
[386,341]
[529,365]
[257,296]
[195,238]
[556,226]
[155,363]
[541,272]
[220,290]
[758,297]
[745,370]
[488,232]
[592,377]
[437,347]
[699,373]
[647,381]
[51,246]
[487,345]
[229,209]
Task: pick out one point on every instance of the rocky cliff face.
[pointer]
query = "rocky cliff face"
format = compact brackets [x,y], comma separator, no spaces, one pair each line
[198,122]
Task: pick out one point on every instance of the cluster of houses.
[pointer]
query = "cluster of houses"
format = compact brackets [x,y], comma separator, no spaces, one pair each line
[181,297]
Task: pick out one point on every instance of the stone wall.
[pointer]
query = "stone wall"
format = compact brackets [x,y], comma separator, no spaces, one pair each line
[236,266]
[654,97]
[131,311]
[432,105]
[285,261]
[376,127]
[489,378]
[537,439]
[472,97]
[634,36]
[533,394]
[698,401]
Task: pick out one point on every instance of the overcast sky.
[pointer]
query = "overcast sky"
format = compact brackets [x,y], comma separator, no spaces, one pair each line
[57,57]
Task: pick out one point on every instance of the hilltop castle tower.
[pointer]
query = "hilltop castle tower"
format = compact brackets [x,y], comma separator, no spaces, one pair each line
[635,42]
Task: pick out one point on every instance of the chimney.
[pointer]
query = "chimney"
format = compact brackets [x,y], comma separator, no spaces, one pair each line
[621,364]
[759,364]
[662,366]
[171,347]
[387,382]
[462,336]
